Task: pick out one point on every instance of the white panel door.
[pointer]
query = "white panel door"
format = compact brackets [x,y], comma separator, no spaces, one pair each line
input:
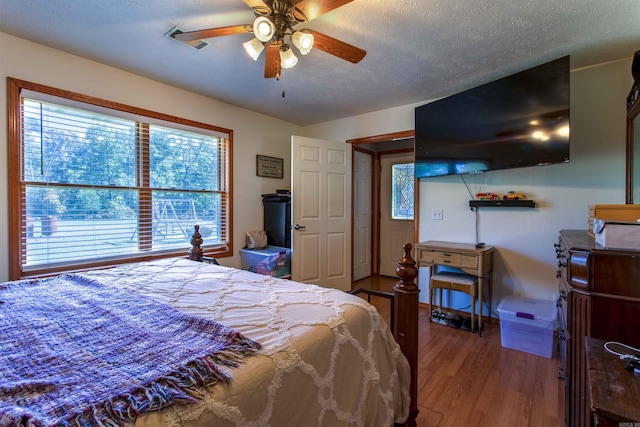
[393,233]
[321,206]
[362,215]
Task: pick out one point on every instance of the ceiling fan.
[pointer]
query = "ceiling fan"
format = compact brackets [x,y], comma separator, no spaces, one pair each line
[275,20]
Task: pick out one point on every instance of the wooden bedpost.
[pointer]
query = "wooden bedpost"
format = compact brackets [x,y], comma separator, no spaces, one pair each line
[406,322]
[195,253]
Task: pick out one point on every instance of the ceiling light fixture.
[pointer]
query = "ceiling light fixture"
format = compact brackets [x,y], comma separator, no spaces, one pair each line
[288,59]
[303,41]
[263,28]
[266,32]
[254,48]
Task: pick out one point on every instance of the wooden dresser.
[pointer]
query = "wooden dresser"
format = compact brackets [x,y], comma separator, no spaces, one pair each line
[615,391]
[599,298]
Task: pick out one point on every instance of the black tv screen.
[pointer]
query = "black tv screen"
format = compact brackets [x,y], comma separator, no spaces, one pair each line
[517,121]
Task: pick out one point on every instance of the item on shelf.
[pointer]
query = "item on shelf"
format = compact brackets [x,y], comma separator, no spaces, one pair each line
[487,196]
[512,195]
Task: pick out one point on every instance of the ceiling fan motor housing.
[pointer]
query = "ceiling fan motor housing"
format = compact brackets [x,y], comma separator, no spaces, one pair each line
[282,16]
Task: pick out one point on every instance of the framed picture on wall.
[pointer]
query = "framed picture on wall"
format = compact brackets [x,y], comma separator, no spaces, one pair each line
[270,167]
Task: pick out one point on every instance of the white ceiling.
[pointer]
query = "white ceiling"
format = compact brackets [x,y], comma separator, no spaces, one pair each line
[417,50]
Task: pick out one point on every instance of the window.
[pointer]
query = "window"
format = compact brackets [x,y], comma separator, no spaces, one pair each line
[99,183]
[402,192]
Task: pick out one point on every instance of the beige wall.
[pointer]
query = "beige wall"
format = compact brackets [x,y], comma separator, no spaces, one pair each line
[525,260]
[253,133]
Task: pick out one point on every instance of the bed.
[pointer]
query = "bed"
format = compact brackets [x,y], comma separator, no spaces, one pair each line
[323,356]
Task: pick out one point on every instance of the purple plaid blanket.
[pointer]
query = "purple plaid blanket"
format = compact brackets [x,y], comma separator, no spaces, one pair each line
[76,352]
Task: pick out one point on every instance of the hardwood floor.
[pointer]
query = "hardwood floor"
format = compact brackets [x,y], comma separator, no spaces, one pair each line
[468,380]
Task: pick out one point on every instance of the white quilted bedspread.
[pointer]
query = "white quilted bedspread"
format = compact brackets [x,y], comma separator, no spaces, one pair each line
[328,358]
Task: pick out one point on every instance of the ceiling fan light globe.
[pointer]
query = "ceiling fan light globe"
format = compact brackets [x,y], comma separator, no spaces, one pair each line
[287,58]
[303,41]
[253,47]
[263,28]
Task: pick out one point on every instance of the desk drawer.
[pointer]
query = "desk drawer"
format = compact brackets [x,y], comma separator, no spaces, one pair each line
[447,258]
[426,256]
[469,261]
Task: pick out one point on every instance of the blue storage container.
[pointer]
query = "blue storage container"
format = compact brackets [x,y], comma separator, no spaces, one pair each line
[271,261]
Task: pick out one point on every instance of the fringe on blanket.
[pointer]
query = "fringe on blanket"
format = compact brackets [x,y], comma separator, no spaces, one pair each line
[183,386]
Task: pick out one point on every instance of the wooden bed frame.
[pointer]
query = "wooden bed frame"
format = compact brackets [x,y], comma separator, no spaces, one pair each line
[404,312]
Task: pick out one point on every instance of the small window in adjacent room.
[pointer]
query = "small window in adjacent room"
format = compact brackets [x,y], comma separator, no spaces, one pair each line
[100,183]
[402,191]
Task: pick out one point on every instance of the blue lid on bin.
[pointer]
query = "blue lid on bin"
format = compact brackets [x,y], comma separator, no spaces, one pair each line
[250,258]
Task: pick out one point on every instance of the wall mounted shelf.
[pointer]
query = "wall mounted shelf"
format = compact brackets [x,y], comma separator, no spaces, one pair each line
[502,203]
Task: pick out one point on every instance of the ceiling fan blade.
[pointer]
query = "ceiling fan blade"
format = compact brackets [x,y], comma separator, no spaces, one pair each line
[256,4]
[314,8]
[337,48]
[272,66]
[213,32]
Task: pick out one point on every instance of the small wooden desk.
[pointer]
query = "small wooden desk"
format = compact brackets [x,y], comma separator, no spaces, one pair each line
[615,391]
[477,262]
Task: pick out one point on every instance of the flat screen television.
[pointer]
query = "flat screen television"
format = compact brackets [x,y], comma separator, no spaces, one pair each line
[517,121]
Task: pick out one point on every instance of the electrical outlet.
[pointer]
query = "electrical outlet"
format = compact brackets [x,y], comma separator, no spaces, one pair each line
[436,214]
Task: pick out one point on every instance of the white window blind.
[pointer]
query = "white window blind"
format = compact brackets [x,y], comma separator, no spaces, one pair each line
[97,186]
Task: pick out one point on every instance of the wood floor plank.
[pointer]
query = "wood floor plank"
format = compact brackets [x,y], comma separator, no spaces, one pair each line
[468,380]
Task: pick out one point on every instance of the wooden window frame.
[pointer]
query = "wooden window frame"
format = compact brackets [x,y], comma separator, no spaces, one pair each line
[17,193]
[393,192]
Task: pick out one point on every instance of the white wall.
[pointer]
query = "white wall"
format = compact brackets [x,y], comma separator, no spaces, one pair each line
[525,259]
[253,133]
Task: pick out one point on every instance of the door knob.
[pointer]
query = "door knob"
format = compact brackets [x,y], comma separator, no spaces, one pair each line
[300,227]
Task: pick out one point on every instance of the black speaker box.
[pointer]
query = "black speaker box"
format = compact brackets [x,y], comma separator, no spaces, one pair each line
[635,67]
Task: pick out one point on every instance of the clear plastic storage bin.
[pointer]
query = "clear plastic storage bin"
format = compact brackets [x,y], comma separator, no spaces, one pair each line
[271,261]
[528,324]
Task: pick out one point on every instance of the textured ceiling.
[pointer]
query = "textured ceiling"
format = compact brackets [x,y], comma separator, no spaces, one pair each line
[417,50]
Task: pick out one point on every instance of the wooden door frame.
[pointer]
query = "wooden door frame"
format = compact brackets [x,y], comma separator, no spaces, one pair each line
[355,148]
[394,136]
